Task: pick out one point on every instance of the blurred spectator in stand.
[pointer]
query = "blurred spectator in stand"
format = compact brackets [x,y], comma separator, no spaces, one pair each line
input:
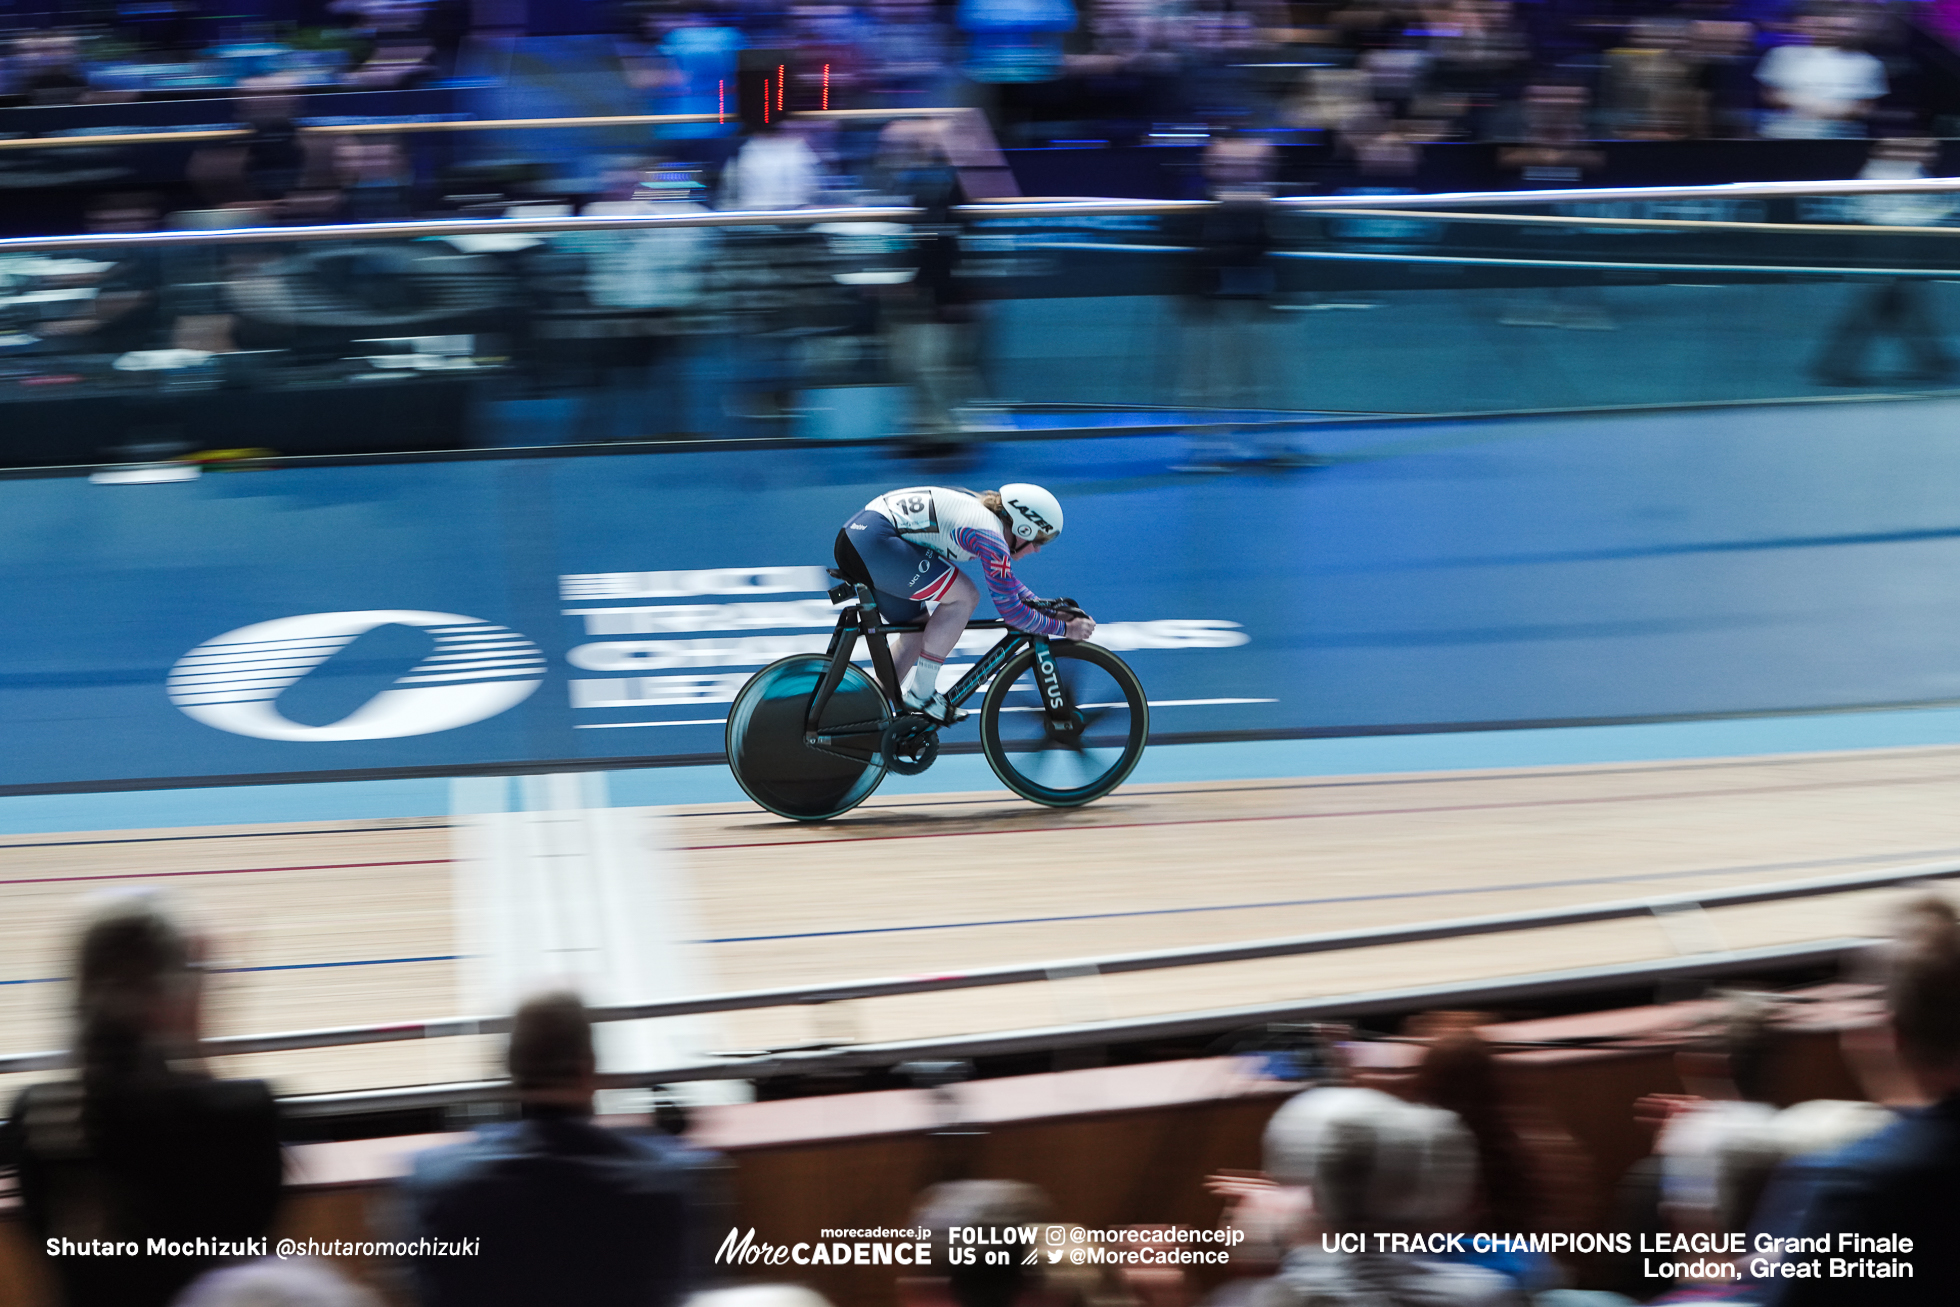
[1903,1181]
[997,1203]
[1555,155]
[1738,1060]
[1271,1221]
[1219,40]
[1375,1165]
[931,321]
[687,62]
[48,68]
[1397,73]
[1227,349]
[1899,307]
[831,43]
[646,285]
[775,169]
[1125,81]
[301,1282]
[1722,53]
[357,177]
[1719,1158]
[1531,1175]
[1339,101]
[1016,48]
[1716,1158]
[773,280]
[1386,162]
[127,311]
[760,1295]
[1649,91]
[399,50]
[567,1210]
[258,172]
[1822,86]
[909,52]
[1477,53]
[273,159]
[164,28]
[445,26]
[143,1143]
[1004,1204]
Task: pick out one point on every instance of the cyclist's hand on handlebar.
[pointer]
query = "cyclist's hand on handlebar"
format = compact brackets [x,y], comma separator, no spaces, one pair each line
[1081,628]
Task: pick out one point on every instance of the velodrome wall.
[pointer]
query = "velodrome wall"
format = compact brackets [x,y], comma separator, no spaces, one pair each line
[514,612]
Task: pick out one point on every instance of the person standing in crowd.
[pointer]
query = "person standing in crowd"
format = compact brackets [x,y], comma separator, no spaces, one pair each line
[567,1211]
[143,1144]
[1822,86]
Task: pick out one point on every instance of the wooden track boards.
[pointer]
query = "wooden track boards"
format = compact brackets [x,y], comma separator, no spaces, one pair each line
[932,884]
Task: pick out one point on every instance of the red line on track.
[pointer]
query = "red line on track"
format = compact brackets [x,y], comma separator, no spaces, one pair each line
[220,871]
[1354,812]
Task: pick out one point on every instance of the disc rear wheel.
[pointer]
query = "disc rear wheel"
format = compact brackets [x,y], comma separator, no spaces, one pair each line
[767,753]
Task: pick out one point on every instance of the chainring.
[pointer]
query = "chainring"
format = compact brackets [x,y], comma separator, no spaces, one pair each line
[910,744]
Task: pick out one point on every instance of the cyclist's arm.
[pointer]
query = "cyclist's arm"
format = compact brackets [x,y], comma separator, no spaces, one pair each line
[1011,598]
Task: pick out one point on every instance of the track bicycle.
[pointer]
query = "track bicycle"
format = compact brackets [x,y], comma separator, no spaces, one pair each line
[1062,723]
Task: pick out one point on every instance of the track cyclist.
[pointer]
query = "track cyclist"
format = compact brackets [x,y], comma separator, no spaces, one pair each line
[905,544]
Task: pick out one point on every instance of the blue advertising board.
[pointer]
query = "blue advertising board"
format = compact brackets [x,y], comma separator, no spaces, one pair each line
[503,613]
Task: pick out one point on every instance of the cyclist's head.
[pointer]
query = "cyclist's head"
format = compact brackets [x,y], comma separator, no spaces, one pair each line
[1030,514]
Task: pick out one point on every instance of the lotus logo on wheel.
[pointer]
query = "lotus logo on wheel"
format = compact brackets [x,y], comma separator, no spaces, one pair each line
[477,670]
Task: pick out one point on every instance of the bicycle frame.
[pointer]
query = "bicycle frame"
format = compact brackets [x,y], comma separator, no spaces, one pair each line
[862,622]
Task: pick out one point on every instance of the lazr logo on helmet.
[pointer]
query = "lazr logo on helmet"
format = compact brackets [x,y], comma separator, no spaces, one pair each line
[1031,515]
[477,670]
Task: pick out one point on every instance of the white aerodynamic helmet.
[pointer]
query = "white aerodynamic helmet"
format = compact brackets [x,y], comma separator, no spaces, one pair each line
[1032,512]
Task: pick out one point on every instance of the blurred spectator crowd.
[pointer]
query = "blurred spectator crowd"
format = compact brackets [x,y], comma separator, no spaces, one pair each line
[181,47]
[1088,72]
[1374,1181]
[726,325]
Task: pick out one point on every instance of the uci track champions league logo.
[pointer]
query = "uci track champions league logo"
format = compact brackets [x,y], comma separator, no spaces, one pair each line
[670,647]
[476,670]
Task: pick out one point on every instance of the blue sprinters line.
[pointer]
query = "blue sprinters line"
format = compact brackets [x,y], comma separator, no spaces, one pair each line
[1289,903]
[283,966]
[364,962]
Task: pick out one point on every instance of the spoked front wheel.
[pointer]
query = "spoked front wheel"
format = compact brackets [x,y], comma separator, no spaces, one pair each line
[1072,754]
[765,740]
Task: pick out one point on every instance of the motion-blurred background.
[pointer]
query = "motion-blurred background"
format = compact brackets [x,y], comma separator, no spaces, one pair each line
[1512,442]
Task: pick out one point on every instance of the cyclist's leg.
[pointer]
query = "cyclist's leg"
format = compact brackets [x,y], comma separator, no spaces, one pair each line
[943,629]
[905,576]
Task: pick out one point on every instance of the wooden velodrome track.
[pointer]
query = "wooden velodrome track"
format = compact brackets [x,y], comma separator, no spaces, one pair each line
[351,923]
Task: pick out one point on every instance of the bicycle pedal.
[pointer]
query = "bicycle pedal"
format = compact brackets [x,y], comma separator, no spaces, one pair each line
[937,711]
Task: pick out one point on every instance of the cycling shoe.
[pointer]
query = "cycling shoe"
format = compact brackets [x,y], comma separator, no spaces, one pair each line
[937,710]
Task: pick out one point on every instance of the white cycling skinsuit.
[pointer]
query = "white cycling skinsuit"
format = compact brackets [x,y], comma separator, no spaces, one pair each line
[954,525]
